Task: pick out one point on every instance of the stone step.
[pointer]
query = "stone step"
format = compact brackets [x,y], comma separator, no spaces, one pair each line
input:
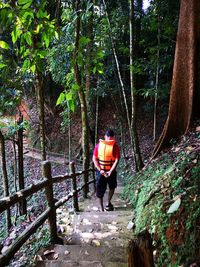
[54,263]
[90,254]
[109,228]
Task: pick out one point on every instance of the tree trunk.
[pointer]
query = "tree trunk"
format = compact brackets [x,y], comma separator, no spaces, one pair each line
[157,81]
[5,179]
[182,103]
[40,102]
[82,98]
[123,92]
[136,148]
[88,63]
[140,251]
[22,204]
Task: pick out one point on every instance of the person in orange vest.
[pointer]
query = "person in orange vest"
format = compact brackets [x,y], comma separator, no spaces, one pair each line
[106,156]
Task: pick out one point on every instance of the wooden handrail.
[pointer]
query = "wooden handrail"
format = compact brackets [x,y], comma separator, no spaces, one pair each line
[7,202]
[50,212]
[23,237]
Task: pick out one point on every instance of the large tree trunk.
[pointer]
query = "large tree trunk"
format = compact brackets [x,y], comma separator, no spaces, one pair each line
[5,179]
[182,104]
[82,98]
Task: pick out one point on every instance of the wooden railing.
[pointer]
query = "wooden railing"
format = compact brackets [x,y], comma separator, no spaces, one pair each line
[50,212]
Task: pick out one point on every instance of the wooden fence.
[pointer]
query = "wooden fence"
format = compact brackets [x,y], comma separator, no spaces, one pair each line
[50,212]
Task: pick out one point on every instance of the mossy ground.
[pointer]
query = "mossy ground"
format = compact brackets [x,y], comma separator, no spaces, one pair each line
[175,174]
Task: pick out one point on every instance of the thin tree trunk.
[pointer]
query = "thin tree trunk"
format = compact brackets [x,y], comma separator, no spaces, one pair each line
[88,63]
[5,179]
[69,134]
[40,102]
[136,148]
[15,165]
[81,94]
[122,85]
[96,119]
[157,81]
[22,204]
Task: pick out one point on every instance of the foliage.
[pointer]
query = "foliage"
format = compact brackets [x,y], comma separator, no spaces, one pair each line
[9,100]
[153,191]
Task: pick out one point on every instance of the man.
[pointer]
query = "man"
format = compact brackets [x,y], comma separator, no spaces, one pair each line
[106,157]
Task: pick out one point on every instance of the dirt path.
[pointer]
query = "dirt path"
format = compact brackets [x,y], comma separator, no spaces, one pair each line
[92,238]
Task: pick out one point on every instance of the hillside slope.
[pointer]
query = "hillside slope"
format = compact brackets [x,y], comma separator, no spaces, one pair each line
[166,198]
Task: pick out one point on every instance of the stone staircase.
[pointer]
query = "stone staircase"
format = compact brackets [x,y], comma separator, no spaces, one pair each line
[91,237]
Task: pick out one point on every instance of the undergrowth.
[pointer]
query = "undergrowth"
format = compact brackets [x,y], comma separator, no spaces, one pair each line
[176,235]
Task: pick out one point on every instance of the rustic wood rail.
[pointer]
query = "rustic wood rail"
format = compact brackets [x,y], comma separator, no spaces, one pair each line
[50,212]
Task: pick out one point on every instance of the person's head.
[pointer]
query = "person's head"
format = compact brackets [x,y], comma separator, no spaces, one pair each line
[109,135]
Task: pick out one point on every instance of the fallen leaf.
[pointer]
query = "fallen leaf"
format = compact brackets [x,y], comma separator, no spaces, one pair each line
[39,258]
[174,207]
[130,225]
[55,256]
[86,253]
[67,252]
[47,252]
[4,249]
[96,243]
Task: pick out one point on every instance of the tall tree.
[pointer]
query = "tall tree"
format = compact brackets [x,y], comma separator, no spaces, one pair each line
[82,98]
[131,120]
[184,81]
[134,134]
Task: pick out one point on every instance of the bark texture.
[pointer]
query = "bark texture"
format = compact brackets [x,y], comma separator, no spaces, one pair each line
[140,251]
[82,98]
[184,85]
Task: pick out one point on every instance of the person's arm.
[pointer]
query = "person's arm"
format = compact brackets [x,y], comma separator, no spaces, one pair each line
[96,164]
[113,167]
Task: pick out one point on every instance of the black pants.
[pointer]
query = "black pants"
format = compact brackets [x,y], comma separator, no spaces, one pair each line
[102,181]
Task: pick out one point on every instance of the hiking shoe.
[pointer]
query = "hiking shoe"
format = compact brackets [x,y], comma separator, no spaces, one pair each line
[109,207]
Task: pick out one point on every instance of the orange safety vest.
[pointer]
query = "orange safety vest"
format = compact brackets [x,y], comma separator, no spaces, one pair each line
[105,154]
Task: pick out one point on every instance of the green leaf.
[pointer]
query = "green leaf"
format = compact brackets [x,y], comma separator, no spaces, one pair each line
[75,87]
[71,105]
[28,13]
[45,38]
[33,68]
[100,55]
[84,40]
[26,6]
[69,96]
[28,38]
[94,70]
[2,65]
[56,35]
[26,65]
[15,34]
[23,2]
[42,53]
[60,99]
[4,45]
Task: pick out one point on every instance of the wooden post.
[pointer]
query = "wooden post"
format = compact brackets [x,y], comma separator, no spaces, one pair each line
[74,185]
[94,177]
[22,204]
[5,179]
[46,166]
